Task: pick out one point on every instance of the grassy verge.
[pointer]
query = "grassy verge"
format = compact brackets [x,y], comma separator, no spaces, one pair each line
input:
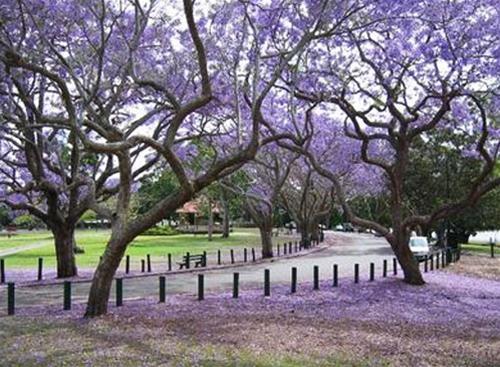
[93,242]
[480,248]
[63,342]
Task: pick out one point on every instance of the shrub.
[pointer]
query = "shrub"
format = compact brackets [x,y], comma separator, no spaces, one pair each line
[160,231]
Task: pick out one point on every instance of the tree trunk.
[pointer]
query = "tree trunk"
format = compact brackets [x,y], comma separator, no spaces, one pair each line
[225,218]
[266,233]
[305,237]
[64,237]
[315,232]
[103,278]
[407,261]
[210,221]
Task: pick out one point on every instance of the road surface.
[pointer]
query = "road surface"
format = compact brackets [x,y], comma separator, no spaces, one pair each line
[347,249]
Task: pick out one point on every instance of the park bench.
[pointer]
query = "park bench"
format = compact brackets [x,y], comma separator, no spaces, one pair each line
[200,260]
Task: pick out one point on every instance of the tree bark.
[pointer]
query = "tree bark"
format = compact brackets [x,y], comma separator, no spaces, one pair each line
[411,270]
[225,218]
[103,278]
[266,233]
[210,220]
[64,237]
[305,237]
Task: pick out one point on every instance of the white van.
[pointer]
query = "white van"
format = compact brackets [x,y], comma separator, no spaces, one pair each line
[420,247]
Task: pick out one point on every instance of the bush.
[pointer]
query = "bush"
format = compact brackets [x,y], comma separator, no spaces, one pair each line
[160,231]
[78,250]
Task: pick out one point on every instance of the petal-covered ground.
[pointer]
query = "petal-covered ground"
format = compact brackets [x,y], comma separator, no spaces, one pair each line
[454,320]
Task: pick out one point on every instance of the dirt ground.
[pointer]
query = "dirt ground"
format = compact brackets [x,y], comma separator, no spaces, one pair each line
[454,320]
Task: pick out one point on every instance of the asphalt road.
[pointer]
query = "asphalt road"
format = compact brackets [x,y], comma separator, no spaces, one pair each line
[346,250]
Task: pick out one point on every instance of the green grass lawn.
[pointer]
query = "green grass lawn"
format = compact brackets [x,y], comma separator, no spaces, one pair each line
[93,242]
[481,248]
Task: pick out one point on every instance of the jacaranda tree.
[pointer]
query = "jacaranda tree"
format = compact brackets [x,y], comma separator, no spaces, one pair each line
[128,76]
[430,66]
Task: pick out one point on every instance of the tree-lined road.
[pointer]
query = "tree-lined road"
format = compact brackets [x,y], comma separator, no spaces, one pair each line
[346,250]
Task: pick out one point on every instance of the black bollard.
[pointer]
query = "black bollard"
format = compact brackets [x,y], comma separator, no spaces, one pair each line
[253,254]
[285,248]
[162,289]
[127,264]
[356,273]
[40,268]
[316,277]
[2,271]
[67,295]
[437,260]
[245,254]
[169,262]
[11,298]
[232,256]
[119,292]
[218,257]
[335,275]
[384,269]
[443,259]
[426,265]
[143,266]
[236,285]
[278,247]
[294,280]
[148,257]
[267,283]
[204,264]
[290,247]
[188,260]
[492,248]
[201,287]
[372,272]
[394,266]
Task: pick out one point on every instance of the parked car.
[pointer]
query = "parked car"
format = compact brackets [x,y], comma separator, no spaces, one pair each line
[348,227]
[419,246]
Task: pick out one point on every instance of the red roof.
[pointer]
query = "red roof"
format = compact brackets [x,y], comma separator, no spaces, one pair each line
[191,207]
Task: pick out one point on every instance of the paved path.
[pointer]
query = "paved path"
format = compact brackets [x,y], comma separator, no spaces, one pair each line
[346,250]
[15,250]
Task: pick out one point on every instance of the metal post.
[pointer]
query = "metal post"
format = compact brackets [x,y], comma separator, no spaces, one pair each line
[335,275]
[119,292]
[356,273]
[127,264]
[384,269]
[201,287]
[267,283]
[394,266]
[2,271]
[316,277]
[67,295]
[236,286]
[11,298]
[294,280]
[148,257]
[40,268]
[162,289]
[372,272]
[169,262]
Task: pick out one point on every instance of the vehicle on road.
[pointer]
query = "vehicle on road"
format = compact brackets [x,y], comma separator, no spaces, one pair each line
[419,246]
